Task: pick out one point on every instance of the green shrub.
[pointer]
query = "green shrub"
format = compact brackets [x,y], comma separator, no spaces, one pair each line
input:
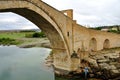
[114,31]
[29,35]
[8,41]
[35,35]
[42,34]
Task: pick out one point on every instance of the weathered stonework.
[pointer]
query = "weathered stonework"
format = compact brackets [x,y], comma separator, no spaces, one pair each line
[107,61]
[65,34]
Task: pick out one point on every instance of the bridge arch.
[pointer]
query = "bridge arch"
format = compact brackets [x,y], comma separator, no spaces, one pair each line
[38,13]
[93,44]
[31,11]
[106,44]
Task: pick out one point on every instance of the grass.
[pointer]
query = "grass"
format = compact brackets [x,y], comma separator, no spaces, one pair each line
[8,41]
[18,38]
[13,35]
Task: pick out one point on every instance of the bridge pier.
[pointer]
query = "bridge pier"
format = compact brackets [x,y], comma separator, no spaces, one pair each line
[63,63]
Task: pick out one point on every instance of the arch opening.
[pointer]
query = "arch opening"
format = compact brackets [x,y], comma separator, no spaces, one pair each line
[49,30]
[106,44]
[93,44]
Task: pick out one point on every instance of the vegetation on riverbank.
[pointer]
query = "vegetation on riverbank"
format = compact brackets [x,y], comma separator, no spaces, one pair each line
[9,41]
[24,39]
[16,35]
[35,35]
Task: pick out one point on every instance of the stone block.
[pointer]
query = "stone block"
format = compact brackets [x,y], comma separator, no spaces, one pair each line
[112,67]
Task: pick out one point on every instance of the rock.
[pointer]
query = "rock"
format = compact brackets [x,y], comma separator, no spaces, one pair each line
[112,67]
[115,71]
[107,66]
[57,72]
[119,70]
[118,60]
[118,66]
[92,61]
[103,61]
[99,57]
[99,73]
[104,65]
[91,75]
[112,55]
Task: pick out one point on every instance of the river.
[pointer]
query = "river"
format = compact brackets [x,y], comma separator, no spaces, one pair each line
[24,64]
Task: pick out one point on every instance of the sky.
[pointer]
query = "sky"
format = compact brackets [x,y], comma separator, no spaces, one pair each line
[90,13]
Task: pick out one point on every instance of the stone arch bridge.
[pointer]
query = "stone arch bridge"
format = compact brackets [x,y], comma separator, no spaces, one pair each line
[64,33]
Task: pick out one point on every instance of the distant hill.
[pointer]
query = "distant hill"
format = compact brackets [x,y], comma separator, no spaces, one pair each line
[21,30]
[113,28]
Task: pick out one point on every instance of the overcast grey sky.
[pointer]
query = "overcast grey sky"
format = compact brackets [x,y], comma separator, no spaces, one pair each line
[86,12]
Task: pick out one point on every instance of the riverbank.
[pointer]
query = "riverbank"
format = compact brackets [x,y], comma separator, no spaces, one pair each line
[26,42]
[34,42]
[24,39]
[104,64]
[107,63]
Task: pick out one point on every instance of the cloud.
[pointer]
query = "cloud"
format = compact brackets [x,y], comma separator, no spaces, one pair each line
[8,17]
[91,12]
[14,21]
[86,12]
